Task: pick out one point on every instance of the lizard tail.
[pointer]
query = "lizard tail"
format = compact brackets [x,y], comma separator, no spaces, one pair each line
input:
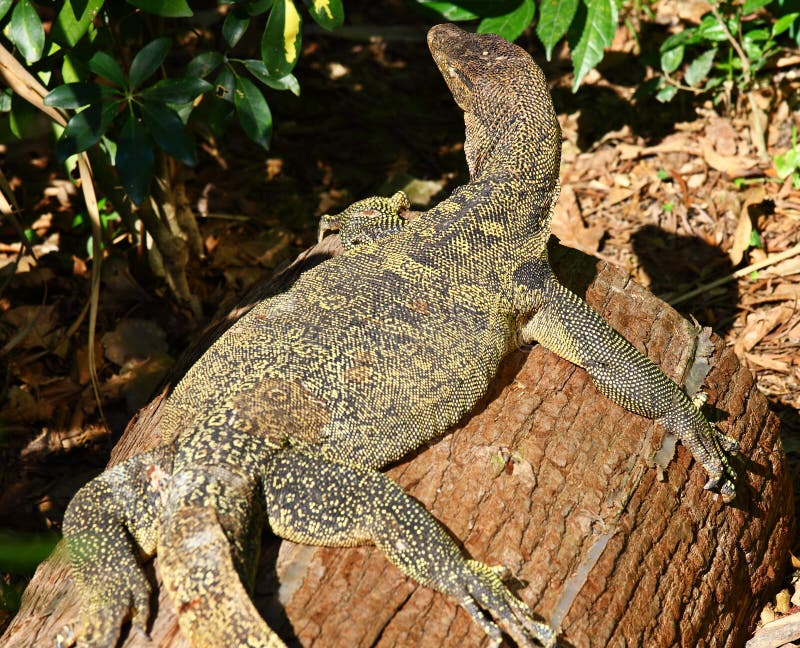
[213,607]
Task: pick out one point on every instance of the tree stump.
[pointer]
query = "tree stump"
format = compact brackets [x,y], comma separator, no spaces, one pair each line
[549,478]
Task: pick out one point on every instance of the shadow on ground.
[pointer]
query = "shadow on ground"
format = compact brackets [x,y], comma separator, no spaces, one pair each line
[677,264]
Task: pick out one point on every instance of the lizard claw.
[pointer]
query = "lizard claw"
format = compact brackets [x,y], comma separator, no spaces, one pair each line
[484,589]
[722,484]
[728,444]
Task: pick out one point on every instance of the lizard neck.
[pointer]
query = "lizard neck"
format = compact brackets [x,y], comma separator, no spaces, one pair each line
[510,149]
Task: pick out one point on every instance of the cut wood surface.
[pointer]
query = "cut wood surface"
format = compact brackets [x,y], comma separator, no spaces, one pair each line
[547,477]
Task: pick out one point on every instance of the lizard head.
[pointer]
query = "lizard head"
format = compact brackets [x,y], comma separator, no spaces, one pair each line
[473,63]
[503,94]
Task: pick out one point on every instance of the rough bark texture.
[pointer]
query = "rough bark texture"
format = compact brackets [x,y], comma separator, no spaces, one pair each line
[551,479]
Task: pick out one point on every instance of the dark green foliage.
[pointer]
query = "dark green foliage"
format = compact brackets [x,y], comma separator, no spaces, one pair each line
[139,99]
[728,49]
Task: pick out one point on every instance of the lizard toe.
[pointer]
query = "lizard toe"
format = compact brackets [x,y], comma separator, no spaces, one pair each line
[486,590]
[727,443]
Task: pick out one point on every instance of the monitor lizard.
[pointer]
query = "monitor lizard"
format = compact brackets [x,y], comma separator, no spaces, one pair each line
[289,416]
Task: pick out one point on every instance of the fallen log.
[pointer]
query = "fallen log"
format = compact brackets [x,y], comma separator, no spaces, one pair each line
[611,537]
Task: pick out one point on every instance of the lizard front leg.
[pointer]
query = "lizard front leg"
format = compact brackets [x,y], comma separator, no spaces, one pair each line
[367,220]
[566,325]
[316,501]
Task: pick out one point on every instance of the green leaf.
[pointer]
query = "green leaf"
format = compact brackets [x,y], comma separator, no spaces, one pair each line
[148,59]
[166,8]
[783,23]
[204,64]
[223,84]
[234,27]
[328,14]
[555,17]
[598,32]
[105,66]
[214,114]
[85,129]
[710,29]
[753,51]
[451,11]
[169,132]
[5,5]
[684,37]
[786,163]
[26,32]
[73,68]
[280,44]
[671,59]
[511,25]
[259,71]
[750,6]
[176,91]
[257,7]
[5,100]
[666,93]
[699,68]
[253,111]
[74,20]
[756,35]
[135,161]
[75,95]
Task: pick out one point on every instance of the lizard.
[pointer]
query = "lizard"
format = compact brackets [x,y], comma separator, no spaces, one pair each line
[289,416]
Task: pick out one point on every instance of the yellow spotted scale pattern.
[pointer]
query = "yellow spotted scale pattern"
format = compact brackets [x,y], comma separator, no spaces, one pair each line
[287,418]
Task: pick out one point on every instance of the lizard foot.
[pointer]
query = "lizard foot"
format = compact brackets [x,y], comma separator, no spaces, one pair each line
[102,622]
[483,589]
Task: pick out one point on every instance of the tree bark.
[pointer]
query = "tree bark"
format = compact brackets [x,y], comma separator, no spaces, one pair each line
[548,478]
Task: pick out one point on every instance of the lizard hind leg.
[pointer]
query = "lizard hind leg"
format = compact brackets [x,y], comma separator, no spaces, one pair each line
[109,522]
[315,501]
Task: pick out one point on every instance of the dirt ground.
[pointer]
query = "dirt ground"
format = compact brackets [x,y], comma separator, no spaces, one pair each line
[670,192]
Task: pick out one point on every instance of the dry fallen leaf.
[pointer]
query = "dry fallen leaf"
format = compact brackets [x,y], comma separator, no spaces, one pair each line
[569,227]
[770,362]
[33,326]
[744,227]
[722,133]
[760,323]
[732,165]
[134,338]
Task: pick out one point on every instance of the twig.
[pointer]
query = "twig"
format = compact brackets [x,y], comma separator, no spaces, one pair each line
[89,197]
[738,274]
[734,43]
[10,208]
[26,86]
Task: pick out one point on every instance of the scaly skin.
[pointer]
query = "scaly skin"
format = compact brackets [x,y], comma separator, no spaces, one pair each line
[368,356]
